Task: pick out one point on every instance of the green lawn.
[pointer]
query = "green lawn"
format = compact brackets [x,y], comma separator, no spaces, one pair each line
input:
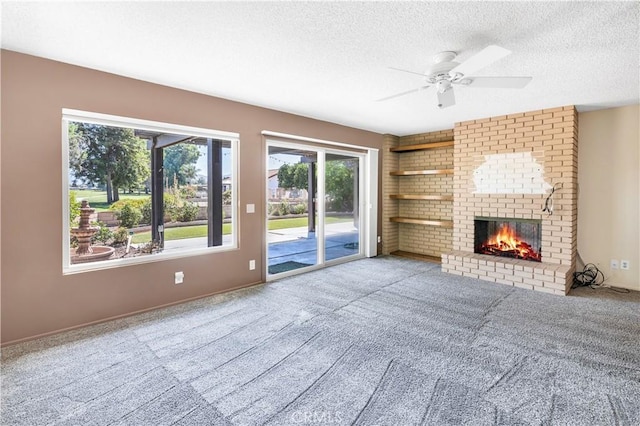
[180,233]
[293,222]
[201,230]
[98,199]
[298,222]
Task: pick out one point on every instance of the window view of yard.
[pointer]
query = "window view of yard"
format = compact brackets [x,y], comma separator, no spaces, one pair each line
[134,192]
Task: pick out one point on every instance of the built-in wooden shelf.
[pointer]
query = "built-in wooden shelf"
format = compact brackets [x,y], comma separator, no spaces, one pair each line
[422,172]
[416,221]
[417,256]
[422,146]
[431,197]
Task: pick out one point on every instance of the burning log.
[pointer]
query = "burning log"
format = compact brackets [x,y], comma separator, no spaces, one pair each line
[507,244]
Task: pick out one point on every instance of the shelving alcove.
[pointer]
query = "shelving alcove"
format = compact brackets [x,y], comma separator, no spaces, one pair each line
[441,197]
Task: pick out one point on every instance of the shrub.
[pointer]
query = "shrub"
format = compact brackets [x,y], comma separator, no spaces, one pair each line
[171,210]
[284,208]
[226,197]
[170,203]
[274,209]
[103,235]
[74,207]
[299,208]
[187,192]
[188,212]
[129,216]
[120,236]
[146,212]
[136,203]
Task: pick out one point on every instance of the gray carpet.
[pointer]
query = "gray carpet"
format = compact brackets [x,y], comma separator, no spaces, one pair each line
[372,342]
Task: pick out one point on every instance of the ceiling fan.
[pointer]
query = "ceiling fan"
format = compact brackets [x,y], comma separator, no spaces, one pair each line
[444,74]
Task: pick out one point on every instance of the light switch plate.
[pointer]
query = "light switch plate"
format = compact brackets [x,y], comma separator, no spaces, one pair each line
[251,208]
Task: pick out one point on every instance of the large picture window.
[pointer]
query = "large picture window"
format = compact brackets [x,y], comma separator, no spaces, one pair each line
[138,191]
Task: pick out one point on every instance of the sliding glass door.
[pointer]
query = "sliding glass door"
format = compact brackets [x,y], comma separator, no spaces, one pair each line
[313,205]
[341,206]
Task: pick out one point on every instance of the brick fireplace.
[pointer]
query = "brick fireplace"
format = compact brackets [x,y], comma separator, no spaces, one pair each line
[505,167]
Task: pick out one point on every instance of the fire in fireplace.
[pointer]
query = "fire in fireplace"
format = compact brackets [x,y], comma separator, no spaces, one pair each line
[516,238]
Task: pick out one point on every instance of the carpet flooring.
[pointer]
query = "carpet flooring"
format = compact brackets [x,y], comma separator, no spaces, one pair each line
[383,341]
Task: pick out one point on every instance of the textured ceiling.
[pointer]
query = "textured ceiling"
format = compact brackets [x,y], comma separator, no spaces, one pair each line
[330,60]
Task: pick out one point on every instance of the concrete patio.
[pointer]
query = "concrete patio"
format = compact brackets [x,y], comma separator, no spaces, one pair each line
[294,244]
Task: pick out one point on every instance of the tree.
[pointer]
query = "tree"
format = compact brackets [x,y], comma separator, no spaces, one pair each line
[293,176]
[180,163]
[76,153]
[112,156]
[339,184]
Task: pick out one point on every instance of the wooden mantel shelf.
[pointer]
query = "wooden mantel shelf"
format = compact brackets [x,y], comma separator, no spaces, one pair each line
[432,197]
[421,172]
[430,222]
[422,146]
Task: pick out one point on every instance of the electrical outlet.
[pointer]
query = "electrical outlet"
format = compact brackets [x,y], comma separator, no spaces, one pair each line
[379,239]
[624,264]
[252,265]
[179,277]
[614,264]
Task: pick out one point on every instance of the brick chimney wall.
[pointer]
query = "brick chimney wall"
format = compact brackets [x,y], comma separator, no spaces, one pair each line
[505,167]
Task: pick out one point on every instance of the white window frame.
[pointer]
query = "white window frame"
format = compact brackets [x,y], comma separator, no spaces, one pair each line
[69,115]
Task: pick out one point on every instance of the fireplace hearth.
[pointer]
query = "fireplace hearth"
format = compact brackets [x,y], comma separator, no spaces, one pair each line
[506,237]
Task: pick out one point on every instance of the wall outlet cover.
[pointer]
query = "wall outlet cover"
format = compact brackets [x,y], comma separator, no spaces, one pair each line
[614,264]
[624,264]
[179,277]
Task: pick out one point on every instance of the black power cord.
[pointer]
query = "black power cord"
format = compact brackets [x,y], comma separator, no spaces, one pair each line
[548,203]
[592,277]
[589,276]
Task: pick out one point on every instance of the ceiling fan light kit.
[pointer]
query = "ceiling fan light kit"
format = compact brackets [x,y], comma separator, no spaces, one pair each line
[445,72]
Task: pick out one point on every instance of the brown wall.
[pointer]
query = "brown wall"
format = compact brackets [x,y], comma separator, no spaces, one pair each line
[36,297]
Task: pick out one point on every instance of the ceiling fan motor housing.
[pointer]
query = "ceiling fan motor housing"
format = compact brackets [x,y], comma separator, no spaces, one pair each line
[440,70]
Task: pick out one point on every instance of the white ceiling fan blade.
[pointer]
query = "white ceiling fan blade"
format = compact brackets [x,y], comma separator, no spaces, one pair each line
[485,57]
[498,82]
[407,71]
[446,98]
[403,93]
